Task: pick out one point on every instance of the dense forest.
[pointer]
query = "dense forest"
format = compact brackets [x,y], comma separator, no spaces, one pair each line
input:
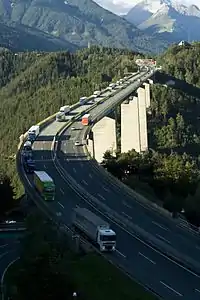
[170,171]
[34,85]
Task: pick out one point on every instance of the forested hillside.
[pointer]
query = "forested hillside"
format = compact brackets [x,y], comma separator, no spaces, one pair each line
[170,171]
[34,85]
[23,38]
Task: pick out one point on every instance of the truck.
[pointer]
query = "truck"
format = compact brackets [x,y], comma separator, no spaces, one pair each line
[44,185]
[60,116]
[29,164]
[65,109]
[33,132]
[27,149]
[96,94]
[94,228]
[86,119]
[82,100]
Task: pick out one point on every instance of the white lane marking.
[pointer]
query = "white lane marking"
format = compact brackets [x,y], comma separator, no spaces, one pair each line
[2,246]
[74,170]
[120,253]
[62,191]
[84,182]
[153,262]
[124,229]
[44,166]
[127,216]
[127,205]
[100,196]
[162,238]
[105,189]
[196,290]
[4,272]
[157,224]
[171,289]
[61,205]
[90,175]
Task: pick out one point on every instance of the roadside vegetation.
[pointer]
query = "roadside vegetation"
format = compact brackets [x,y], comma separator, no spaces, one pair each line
[33,85]
[169,172]
[50,269]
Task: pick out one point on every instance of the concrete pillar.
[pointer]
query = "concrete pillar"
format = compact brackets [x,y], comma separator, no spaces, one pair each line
[147,90]
[90,147]
[142,119]
[104,133]
[130,132]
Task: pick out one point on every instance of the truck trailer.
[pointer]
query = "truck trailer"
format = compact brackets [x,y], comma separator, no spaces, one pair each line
[29,164]
[60,116]
[96,94]
[94,228]
[45,185]
[82,100]
[33,132]
[86,119]
[65,109]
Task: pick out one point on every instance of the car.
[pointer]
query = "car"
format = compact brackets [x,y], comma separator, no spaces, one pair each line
[73,128]
[10,222]
[77,143]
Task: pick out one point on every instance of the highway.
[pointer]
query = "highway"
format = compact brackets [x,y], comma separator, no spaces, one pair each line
[9,249]
[152,268]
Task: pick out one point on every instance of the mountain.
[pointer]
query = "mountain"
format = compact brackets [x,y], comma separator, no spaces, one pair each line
[166,19]
[23,38]
[77,22]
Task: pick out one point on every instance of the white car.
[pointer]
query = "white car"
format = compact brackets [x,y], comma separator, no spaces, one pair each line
[73,128]
[10,222]
[77,143]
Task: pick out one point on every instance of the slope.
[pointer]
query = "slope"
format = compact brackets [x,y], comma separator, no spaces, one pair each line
[78,22]
[34,86]
[23,38]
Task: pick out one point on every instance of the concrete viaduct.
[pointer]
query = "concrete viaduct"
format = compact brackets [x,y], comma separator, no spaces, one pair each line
[134,133]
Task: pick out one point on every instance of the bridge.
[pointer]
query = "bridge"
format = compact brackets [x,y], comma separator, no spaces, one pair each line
[149,241]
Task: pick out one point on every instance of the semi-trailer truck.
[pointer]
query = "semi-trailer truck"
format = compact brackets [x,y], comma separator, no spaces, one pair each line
[82,100]
[65,109]
[60,116]
[96,94]
[29,164]
[94,228]
[86,119]
[33,132]
[45,185]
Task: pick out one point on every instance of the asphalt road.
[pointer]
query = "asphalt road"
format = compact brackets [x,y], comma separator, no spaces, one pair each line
[87,175]
[9,249]
[151,268]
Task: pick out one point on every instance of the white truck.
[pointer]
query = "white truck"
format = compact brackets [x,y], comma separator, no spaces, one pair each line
[65,109]
[96,94]
[94,228]
[33,132]
[60,116]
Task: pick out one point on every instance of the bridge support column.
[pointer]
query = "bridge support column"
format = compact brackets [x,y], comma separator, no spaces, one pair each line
[130,126]
[142,119]
[147,90]
[104,134]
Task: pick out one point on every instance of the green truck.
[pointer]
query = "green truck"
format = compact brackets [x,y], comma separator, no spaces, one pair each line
[45,185]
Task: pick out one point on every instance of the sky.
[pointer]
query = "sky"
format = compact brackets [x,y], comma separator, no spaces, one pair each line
[123,6]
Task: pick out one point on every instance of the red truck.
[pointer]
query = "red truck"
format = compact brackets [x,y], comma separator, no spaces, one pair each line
[86,119]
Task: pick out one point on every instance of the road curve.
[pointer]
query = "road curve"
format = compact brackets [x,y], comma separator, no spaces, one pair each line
[169,279]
